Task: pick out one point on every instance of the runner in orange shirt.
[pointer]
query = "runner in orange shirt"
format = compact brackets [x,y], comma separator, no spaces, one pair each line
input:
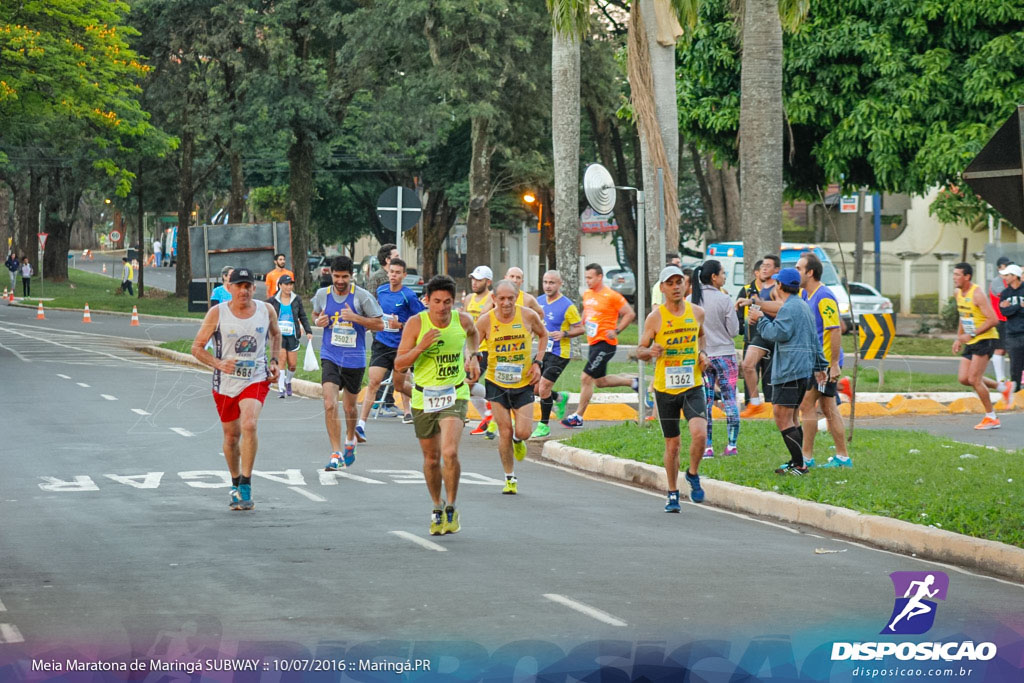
[275,275]
[605,314]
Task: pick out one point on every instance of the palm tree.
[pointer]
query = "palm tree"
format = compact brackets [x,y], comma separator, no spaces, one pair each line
[569,22]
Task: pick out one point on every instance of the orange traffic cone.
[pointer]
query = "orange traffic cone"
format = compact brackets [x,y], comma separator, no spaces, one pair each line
[135,316]
[86,316]
[10,297]
[39,312]
[5,293]
[104,268]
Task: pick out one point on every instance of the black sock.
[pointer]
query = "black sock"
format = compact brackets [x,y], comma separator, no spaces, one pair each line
[235,481]
[516,440]
[244,481]
[545,408]
[794,440]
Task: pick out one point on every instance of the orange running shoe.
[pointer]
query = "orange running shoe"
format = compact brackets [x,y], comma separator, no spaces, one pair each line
[482,427]
[1008,394]
[751,410]
[845,389]
[988,423]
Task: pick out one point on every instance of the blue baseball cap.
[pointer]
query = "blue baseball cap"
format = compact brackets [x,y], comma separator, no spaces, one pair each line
[789,277]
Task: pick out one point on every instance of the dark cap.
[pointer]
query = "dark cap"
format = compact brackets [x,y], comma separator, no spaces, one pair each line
[285,280]
[241,275]
[1003,261]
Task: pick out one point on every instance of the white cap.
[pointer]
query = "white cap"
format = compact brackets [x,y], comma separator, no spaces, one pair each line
[669,271]
[482,273]
[1012,269]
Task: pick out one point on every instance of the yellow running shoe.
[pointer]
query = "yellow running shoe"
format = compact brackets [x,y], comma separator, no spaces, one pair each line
[451,520]
[437,522]
[492,430]
[511,486]
[519,449]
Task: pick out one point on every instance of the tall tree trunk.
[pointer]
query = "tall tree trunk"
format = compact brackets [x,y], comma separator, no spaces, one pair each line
[761,131]
[663,71]
[60,205]
[437,222]
[478,223]
[27,197]
[236,203]
[6,233]
[300,203]
[731,192]
[565,143]
[183,271]
[716,199]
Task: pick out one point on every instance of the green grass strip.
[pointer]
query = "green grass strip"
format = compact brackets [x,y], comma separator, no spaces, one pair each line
[102,294]
[908,475]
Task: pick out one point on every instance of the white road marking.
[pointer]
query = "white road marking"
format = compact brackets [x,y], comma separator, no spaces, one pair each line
[307,494]
[9,633]
[79,483]
[287,477]
[109,397]
[19,356]
[183,432]
[63,376]
[140,411]
[82,384]
[582,608]
[2,608]
[149,480]
[331,478]
[422,542]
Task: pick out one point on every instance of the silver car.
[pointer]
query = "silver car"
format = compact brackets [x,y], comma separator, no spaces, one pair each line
[867,299]
[622,280]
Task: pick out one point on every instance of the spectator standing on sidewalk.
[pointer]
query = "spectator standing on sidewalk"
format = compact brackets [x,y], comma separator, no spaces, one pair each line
[1011,305]
[13,266]
[720,326]
[127,276]
[26,277]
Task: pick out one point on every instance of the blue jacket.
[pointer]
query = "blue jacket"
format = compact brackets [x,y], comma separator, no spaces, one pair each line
[797,353]
[12,264]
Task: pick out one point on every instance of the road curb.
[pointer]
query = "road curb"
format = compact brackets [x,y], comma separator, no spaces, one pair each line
[990,557]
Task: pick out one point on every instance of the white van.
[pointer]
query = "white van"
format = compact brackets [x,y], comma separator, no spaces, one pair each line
[730,255]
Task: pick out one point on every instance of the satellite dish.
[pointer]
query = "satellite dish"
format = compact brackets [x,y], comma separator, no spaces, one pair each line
[599,188]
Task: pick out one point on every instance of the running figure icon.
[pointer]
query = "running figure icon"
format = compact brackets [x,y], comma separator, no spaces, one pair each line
[915,607]
[916,601]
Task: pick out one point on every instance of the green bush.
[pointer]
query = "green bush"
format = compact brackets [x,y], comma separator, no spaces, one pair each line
[896,300]
[925,304]
[950,317]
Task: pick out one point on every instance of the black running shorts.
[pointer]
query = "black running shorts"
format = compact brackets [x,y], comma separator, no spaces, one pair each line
[553,367]
[791,394]
[382,355]
[348,379]
[691,404]
[290,343]
[513,399]
[985,347]
[597,362]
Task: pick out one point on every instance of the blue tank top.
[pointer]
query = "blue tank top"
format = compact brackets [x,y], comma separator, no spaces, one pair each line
[286,321]
[344,343]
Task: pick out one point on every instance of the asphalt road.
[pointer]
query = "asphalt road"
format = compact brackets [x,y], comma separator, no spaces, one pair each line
[116,538]
[158,278]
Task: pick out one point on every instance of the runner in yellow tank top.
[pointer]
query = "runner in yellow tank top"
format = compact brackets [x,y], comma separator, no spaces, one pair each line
[510,331]
[976,335]
[476,304]
[440,345]
[673,337]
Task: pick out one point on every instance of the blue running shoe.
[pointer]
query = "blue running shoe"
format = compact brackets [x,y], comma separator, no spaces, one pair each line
[245,491]
[360,434]
[696,492]
[236,499]
[334,463]
[836,462]
[349,455]
[809,462]
[573,422]
[649,399]
[673,502]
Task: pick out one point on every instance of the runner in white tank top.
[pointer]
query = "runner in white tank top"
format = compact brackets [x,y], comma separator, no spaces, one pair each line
[242,375]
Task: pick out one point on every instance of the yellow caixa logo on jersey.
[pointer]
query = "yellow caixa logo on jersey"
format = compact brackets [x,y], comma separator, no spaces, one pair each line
[914,611]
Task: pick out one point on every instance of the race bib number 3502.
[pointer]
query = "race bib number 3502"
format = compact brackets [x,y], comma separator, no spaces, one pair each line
[343,335]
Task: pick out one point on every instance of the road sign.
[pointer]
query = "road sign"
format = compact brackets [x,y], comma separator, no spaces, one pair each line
[877,330]
[398,206]
[42,240]
[995,173]
[114,236]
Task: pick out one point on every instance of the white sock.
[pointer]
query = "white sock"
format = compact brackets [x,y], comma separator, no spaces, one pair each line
[361,423]
[350,443]
[756,401]
[991,415]
[288,374]
[510,475]
[997,363]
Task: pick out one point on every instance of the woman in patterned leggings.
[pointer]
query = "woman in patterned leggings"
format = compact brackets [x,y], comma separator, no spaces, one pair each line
[720,326]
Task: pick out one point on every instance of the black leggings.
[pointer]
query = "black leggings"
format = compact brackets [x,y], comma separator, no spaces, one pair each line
[25,285]
[1016,354]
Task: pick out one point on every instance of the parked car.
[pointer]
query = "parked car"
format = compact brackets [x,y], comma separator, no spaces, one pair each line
[370,265]
[319,269]
[622,280]
[867,299]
